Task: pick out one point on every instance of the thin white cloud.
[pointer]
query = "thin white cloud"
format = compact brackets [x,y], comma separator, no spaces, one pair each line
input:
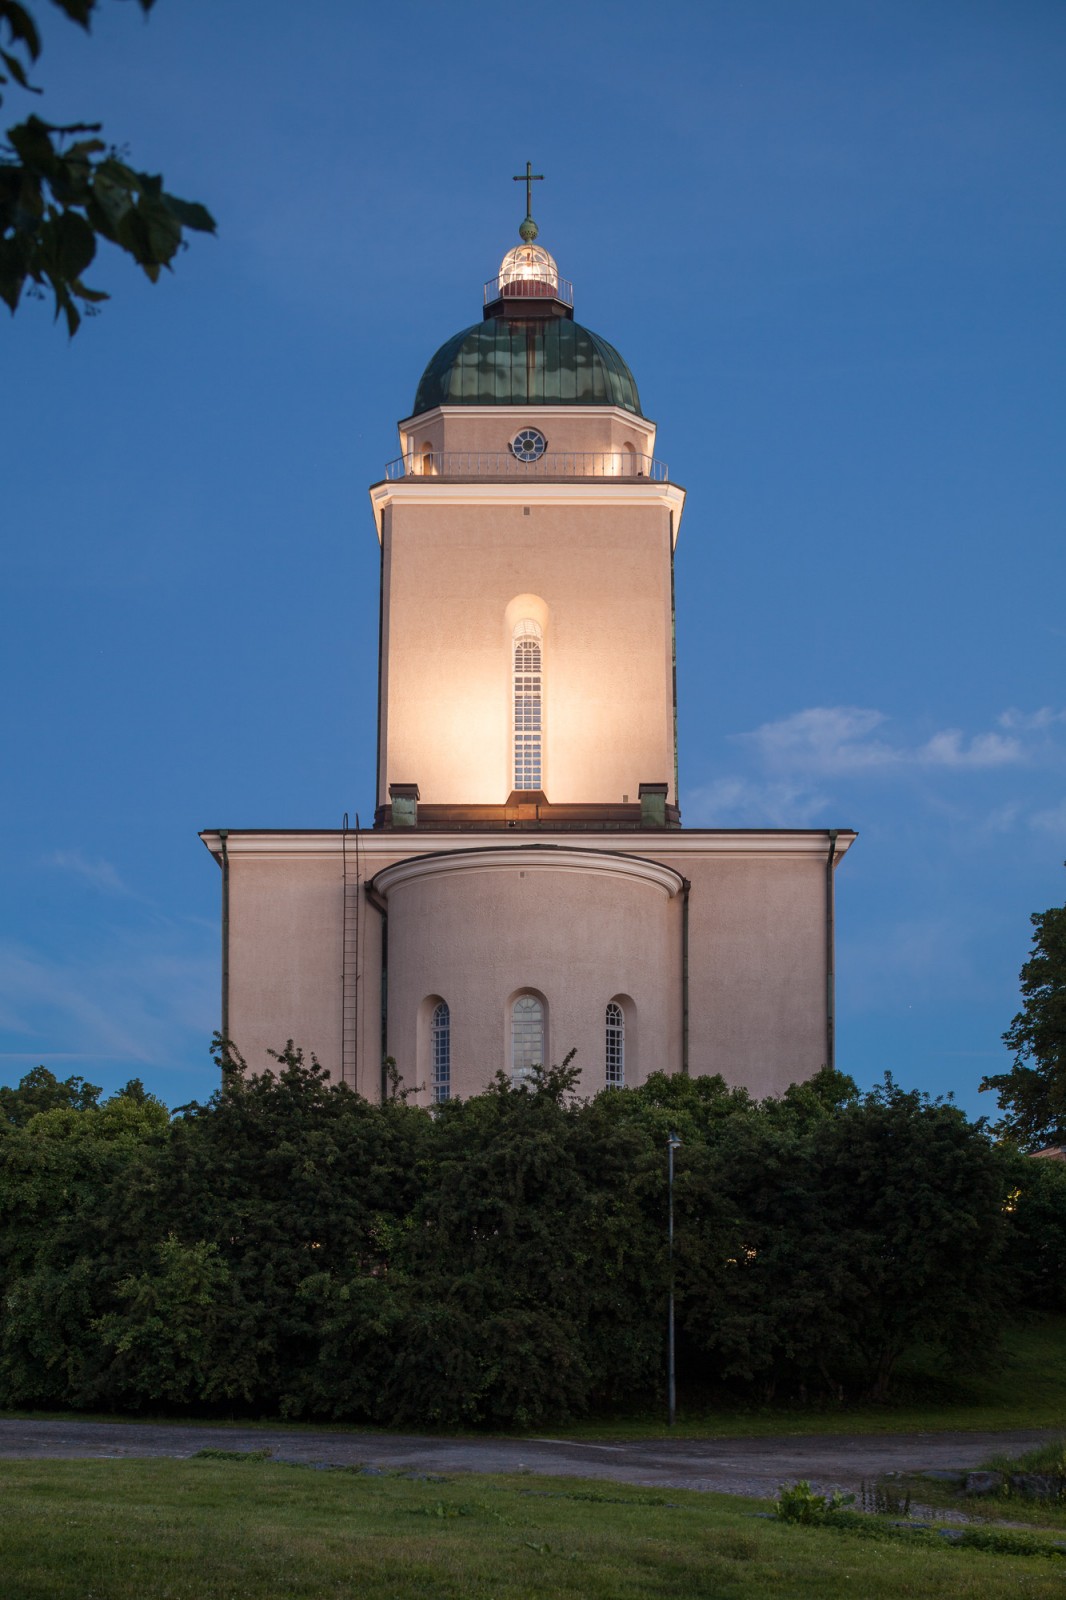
[1053,820]
[794,771]
[951,749]
[34,1056]
[1030,721]
[825,739]
[100,874]
[742,802]
[835,740]
[145,998]
[1001,819]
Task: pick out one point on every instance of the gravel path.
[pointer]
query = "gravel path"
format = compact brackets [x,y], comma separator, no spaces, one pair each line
[727,1466]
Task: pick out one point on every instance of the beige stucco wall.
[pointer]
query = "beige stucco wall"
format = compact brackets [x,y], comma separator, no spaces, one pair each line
[757,966]
[565,929]
[757,952]
[285,915]
[599,574]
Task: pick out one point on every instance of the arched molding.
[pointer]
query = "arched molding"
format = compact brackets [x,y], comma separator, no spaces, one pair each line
[532,858]
[523,608]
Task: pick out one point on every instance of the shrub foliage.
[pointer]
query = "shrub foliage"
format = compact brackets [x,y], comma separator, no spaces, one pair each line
[290,1248]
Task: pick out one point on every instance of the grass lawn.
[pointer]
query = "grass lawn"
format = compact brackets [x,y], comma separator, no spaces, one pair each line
[1008,1505]
[255,1530]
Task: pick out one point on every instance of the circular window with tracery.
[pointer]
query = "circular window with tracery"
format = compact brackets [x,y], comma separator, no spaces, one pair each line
[528,445]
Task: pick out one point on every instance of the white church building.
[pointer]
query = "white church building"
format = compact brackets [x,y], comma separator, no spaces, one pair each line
[527,887]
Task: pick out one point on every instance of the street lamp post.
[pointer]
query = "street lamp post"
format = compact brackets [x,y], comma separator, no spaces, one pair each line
[673,1143]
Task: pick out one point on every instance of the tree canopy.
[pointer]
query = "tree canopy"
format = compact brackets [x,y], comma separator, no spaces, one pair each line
[289,1248]
[1033,1092]
[63,188]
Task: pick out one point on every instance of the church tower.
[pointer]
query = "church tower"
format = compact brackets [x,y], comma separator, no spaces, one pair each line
[527,536]
[527,888]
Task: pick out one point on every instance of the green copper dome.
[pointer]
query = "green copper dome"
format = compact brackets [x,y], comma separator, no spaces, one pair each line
[550,362]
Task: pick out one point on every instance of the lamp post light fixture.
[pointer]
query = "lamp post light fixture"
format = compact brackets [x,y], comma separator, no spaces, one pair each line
[673,1142]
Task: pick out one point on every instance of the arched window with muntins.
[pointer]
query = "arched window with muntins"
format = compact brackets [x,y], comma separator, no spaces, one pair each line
[528,722]
[615,1042]
[440,1049]
[527,1038]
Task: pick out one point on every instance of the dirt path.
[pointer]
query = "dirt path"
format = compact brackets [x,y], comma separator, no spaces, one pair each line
[727,1466]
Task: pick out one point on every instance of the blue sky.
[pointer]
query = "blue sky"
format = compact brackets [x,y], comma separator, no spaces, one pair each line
[828,238]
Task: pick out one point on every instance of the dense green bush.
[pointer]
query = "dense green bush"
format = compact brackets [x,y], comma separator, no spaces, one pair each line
[1038,1235]
[289,1247]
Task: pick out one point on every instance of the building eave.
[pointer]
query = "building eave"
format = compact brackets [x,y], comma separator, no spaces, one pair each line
[303,842]
[561,492]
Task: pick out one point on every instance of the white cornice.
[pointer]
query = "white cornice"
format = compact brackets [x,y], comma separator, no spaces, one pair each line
[530,858]
[617,412]
[384,847]
[572,492]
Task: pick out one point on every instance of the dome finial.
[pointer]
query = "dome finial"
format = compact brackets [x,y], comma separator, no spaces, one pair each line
[528,230]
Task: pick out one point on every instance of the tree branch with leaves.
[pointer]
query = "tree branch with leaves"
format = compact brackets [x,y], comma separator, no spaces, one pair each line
[63,188]
[1033,1092]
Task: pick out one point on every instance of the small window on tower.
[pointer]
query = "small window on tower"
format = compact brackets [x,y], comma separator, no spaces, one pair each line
[528,445]
[528,716]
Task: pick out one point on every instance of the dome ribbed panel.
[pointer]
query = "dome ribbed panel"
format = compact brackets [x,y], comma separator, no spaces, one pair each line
[552,363]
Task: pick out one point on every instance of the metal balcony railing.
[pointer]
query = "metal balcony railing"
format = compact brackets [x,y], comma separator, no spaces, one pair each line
[502,464]
[530,289]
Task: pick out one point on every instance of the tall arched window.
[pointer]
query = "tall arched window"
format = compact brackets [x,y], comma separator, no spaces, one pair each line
[527,1038]
[440,1050]
[615,1042]
[527,706]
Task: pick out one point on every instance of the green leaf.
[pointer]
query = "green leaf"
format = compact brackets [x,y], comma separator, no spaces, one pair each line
[93,296]
[85,148]
[70,180]
[26,203]
[30,140]
[72,127]
[117,172]
[132,234]
[12,273]
[65,304]
[17,71]
[112,196]
[190,214]
[21,27]
[75,244]
[164,235]
[79,11]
